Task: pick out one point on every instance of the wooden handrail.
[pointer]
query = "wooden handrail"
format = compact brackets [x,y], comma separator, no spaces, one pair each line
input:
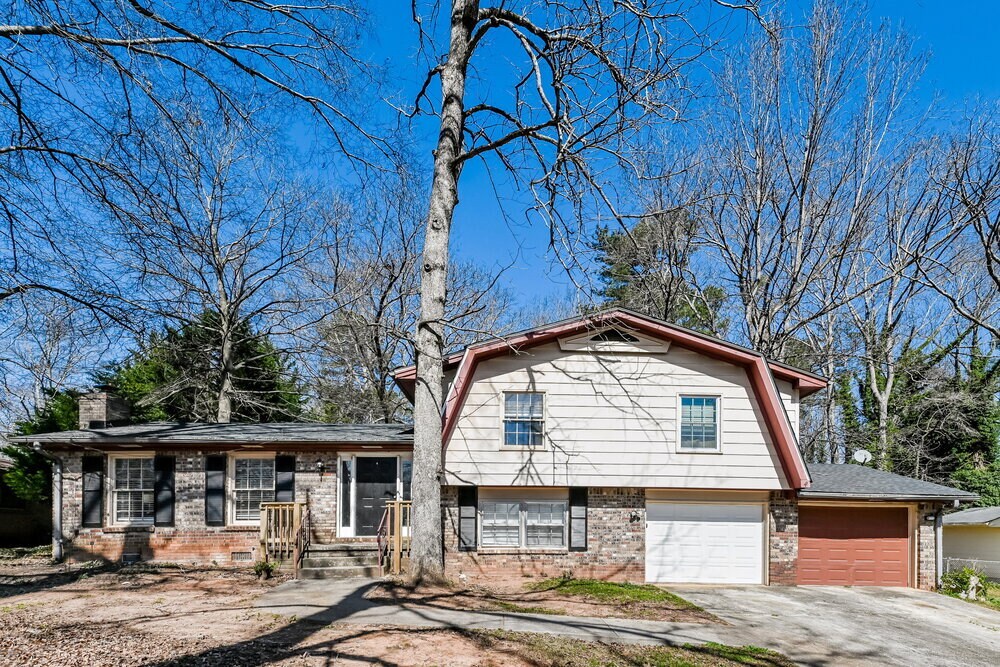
[280,531]
[393,537]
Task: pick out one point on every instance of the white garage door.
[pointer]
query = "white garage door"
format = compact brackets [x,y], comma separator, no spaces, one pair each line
[705,544]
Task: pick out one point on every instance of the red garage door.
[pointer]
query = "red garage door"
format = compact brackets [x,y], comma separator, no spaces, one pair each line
[854,546]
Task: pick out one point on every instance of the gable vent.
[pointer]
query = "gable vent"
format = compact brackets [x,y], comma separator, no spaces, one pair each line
[613,336]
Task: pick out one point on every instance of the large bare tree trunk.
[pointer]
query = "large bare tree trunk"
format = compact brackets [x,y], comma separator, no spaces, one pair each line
[427,555]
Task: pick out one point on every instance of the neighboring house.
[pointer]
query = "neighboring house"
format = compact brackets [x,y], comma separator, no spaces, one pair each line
[972,537]
[612,445]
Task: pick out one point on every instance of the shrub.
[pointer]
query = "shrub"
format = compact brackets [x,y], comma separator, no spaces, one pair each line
[967,583]
[264,569]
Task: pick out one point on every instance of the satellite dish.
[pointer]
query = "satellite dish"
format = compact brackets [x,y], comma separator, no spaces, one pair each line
[862,456]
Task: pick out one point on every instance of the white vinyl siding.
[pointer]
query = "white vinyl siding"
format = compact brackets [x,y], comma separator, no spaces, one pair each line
[253,484]
[790,399]
[132,497]
[612,420]
[973,546]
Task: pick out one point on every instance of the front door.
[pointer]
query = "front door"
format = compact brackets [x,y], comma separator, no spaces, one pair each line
[375,483]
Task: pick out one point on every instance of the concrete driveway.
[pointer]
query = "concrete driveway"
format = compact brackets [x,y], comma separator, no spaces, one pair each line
[821,625]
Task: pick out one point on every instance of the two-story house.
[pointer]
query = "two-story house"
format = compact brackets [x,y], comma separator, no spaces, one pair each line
[612,445]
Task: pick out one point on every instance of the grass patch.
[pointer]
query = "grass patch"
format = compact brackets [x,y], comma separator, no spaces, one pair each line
[522,609]
[543,649]
[991,601]
[608,591]
[13,553]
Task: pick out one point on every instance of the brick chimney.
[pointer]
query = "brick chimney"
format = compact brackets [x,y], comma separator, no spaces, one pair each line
[102,408]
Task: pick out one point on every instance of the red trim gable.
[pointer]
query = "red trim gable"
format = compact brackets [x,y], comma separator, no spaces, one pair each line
[760,371]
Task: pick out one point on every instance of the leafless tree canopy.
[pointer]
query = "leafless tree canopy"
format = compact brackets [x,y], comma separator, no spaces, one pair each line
[557,119]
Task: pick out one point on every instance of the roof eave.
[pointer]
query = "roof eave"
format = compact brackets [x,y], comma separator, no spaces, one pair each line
[827,495]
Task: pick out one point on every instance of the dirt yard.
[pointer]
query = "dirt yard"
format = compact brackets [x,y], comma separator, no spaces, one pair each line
[170,616]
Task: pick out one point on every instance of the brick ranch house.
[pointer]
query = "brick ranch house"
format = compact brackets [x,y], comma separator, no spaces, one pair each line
[612,445]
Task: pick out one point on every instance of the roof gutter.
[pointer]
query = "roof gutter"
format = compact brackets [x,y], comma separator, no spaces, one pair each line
[823,495]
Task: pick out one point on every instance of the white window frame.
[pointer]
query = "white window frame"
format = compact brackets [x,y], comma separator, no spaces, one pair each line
[718,424]
[111,492]
[523,498]
[348,531]
[503,420]
[231,485]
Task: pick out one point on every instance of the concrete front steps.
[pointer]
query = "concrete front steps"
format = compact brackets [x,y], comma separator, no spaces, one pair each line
[340,560]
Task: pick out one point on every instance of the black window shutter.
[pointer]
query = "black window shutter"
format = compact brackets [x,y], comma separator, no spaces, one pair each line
[467,514]
[163,490]
[578,519]
[284,479]
[215,490]
[93,491]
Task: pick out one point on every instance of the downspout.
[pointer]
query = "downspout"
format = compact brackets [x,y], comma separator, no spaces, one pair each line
[57,505]
[938,542]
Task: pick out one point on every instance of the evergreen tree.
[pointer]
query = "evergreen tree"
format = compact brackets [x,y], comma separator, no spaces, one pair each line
[647,269]
[176,377]
[30,477]
[945,413]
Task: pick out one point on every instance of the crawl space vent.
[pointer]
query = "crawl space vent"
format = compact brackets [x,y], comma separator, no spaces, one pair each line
[242,556]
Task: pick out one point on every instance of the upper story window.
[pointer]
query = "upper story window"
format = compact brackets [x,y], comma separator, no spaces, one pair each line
[699,423]
[523,418]
[254,484]
[133,490]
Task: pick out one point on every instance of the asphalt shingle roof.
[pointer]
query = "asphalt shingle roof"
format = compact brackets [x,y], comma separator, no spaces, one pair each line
[179,433]
[977,516]
[847,480]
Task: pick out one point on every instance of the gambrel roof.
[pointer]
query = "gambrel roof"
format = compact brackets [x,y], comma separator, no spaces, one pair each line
[760,371]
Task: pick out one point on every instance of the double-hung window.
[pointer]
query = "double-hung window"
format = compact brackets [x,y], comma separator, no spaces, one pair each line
[133,490]
[253,485]
[530,524]
[545,524]
[523,419]
[699,423]
[501,524]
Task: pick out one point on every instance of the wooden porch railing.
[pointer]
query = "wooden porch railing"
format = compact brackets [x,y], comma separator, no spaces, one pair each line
[393,537]
[284,532]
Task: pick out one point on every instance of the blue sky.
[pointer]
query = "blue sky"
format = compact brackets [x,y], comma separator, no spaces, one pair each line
[962,36]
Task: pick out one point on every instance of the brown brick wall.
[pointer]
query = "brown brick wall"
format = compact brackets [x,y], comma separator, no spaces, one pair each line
[783,539]
[189,540]
[926,556]
[616,520]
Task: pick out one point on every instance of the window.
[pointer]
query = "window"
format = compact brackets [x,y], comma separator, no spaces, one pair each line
[699,423]
[133,490]
[501,524]
[254,480]
[545,524]
[523,420]
[523,524]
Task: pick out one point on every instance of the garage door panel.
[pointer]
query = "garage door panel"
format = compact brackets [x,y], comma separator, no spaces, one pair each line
[854,546]
[704,543]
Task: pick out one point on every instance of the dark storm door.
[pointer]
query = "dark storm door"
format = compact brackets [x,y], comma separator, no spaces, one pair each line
[375,483]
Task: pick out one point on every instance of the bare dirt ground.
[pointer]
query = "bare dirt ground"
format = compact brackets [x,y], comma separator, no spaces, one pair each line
[527,597]
[93,616]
